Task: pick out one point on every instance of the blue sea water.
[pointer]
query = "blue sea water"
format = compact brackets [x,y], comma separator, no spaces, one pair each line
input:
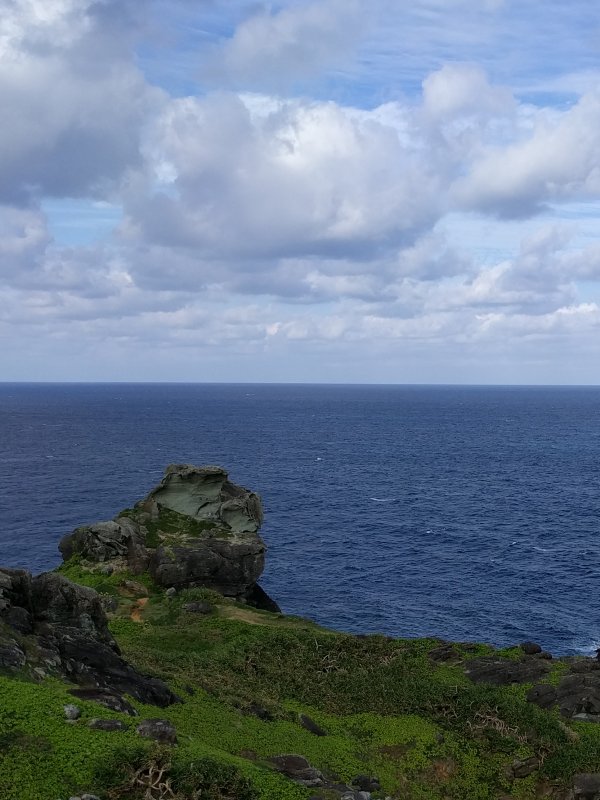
[468,513]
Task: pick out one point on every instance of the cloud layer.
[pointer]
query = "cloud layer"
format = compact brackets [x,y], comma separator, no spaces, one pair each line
[279,235]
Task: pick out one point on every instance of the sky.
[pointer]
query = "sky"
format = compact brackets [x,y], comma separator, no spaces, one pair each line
[348,191]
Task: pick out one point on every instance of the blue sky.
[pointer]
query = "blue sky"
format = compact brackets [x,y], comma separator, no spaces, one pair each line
[300,191]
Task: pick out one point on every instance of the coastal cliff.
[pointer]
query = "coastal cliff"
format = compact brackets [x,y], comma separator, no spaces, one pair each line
[153,666]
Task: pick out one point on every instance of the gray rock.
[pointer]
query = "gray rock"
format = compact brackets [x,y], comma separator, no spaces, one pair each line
[72,712]
[521,768]
[499,671]
[586,786]
[105,698]
[198,607]
[367,783]
[211,540]
[577,695]
[298,769]
[171,591]
[108,725]
[89,797]
[12,655]
[530,648]
[121,539]
[206,494]
[160,730]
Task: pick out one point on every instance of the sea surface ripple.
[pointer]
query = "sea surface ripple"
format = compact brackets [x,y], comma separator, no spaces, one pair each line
[468,513]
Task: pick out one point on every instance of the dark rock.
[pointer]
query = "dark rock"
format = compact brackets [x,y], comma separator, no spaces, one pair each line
[499,671]
[581,664]
[67,633]
[230,565]
[577,696]
[543,695]
[160,730]
[366,783]
[545,655]
[108,725]
[258,598]
[198,607]
[120,540]
[523,768]
[298,769]
[310,725]
[586,786]
[19,619]
[259,712]
[12,655]
[105,698]
[530,648]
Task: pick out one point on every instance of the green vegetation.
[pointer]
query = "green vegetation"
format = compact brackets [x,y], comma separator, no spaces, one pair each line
[246,676]
[172,526]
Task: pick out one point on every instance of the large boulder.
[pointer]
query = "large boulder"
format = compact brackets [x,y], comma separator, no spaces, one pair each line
[50,625]
[195,528]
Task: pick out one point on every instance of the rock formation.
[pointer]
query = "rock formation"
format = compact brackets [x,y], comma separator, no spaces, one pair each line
[195,528]
[49,625]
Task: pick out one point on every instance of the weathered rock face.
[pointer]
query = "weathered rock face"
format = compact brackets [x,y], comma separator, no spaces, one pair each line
[195,528]
[206,494]
[52,626]
[577,694]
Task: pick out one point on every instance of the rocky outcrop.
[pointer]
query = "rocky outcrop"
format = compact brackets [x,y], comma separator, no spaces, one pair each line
[49,625]
[577,694]
[195,528]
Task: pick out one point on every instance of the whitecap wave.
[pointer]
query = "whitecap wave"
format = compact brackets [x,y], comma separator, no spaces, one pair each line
[383,499]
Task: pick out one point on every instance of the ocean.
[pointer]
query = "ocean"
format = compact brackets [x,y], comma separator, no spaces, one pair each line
[466,513]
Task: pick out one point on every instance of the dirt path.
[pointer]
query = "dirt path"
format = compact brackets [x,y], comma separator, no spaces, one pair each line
[137,608]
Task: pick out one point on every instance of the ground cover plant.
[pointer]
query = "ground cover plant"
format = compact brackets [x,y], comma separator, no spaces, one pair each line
[255,685]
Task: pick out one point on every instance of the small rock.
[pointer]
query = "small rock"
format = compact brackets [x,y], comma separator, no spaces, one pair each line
[530,648]
[367,783]
[72,712]
[171,591]
[545,655]
[523,768]
[109,603]
[134,587]
[198,607]
[109,700]
[107,725]
[298,769]
[311,726]
[586,786]
[89,797]
[161,730]
[106,569]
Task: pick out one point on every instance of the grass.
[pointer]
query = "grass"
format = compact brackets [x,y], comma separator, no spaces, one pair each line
[423,728]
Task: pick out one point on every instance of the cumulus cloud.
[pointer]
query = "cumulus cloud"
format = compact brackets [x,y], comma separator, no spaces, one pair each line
[273,47]
[304,178]
[558,159]
[74,101]
[265,225]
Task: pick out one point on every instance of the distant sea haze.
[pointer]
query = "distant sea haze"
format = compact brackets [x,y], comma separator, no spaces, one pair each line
[466,513]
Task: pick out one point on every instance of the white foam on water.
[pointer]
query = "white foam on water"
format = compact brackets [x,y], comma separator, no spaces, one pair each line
[383,499]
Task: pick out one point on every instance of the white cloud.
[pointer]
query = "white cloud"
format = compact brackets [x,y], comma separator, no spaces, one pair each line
[271,48]
[558,159]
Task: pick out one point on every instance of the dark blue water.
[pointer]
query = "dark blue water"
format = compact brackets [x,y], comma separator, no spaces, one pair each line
[466,513]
